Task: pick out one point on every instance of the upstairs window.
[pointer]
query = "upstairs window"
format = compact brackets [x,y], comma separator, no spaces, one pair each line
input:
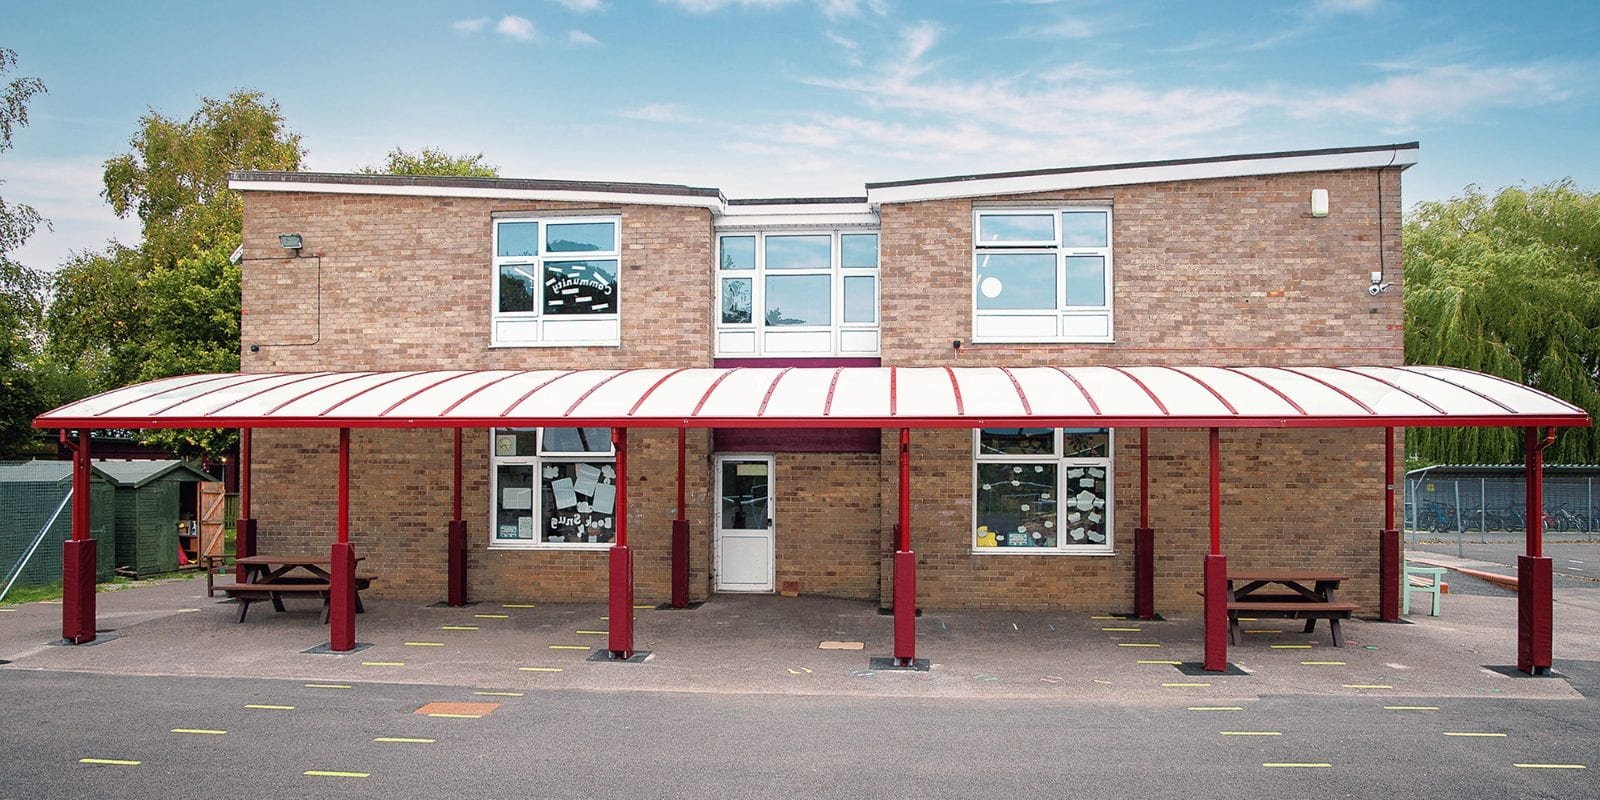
[797,293]
[1042,275]
[555,281]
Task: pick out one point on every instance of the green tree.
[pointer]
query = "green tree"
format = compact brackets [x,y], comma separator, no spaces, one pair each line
[433,162]
[21,289]
[1508,285]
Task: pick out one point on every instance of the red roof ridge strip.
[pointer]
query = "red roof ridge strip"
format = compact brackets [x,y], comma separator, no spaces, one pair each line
[525,395]
[1413,395]
[710,389]
[1342,393]
[1093,406]
[474,393]
[652,390]
[1506,381]
[592,389]
[1208,387]
[762,411]
[380,384]
[1467,389]
[1130,376]
[1275,390]
[199,379]
[955,386]
[827,406]
[1027,408]
[306,377]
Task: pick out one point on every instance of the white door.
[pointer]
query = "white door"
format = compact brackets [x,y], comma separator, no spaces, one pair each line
[744,524]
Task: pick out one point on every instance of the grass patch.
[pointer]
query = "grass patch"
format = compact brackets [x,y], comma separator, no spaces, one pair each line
[35,594]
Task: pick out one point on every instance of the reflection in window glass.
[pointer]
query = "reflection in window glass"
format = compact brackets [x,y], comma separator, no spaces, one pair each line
[516,287]
[799,252]
[576,237]
[1016,280]
[745,501]
[577,440]
[1039,228]
[518,239]
[736,300]
[1085,442]
[1086,281]
[738,252]
[1017,441]
[798,299]
[513,515]
[860,299]
[1083,228]
[1016,505]
[858,250]
[580,287]
[578,502]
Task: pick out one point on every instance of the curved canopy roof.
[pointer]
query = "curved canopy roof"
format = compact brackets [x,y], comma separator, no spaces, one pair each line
[870,397]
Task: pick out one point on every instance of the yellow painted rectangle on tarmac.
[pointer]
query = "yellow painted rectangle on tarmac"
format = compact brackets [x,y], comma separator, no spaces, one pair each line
[1367,686]
[199,730]
[402,740]
[1103,616]
[492,616]
[1475,733]
[516,605]
[1158,661]
[458,627]
[538,669]
[1551,766]
[1250,733]
[1410,708]
[1137,644]
[593,633]
[327,686]
[1295,764]
[644,606]
[116,762]
[1216,708]
[383,663]
[1127,630]
[1323,663]
[424,644]
[569,647]
[498,694]
[324,773]
[269,708]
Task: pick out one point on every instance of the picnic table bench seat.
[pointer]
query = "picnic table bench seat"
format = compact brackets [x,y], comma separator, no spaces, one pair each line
[1331,610]
[246,593]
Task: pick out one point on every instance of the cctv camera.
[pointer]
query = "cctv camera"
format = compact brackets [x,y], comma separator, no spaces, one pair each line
[1374,290]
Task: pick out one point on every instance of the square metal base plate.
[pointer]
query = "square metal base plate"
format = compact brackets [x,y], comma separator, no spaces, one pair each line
[326,649]
[887,664]
[98,639]
[639,657]
[1511,671]
[1198,668]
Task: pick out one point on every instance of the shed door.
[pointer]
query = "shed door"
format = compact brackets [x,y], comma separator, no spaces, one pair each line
[744,534]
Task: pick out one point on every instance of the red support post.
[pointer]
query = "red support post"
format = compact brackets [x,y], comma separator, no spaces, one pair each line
[79,556]
[680,532]
[456,540]
[621,624]
[1144,540]
[905,567]
[1216,572]
[1535,573]
[1390,573]
[244,538]
[342,569]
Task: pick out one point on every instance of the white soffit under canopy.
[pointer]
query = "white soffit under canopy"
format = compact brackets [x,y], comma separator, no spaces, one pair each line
[876,397]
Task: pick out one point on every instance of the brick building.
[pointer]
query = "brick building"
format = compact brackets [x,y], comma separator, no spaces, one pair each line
[1255,260]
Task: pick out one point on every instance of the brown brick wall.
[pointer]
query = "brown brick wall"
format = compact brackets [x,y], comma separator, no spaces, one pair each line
[828,537]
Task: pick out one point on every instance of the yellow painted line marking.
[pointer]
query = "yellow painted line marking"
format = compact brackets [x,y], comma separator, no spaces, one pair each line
[198,730]
[1294,764]
[1137,644]
[516,605]
[498,694]
[1183,685]
[1527,766]
[1410,708]
[1472,733]
[327,686]
[1250,733]
[1158,661]
[117,762]
[644,606]
[383,663]
[569,647]
[1323,663]
[1248,619]
[1103,616]
[1131,630]
[402,740]
[458,627]
[1290,646]
[424,644]
[269,708]
[1216,708]
[1367,686]
[323,773]
[1263,631]
[539,669]
[593,633]
[458,716]
[492,616]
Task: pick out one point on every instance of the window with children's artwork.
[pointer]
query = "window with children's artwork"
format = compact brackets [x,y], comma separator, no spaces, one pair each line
[1042,490]
[553,487]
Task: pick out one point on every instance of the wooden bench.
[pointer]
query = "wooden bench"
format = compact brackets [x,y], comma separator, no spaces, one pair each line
[246,593]
[1308,610]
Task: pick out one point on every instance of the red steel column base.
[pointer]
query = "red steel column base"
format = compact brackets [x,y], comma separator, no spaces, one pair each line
[342,598]
[905,608]
[1535,626]
[1389,575]
[621,627]
[78,557]
[1216,583]
[244,544]
[456,563]
[1144,573]
[680,563]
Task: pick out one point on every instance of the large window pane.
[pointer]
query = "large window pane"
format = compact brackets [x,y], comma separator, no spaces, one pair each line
[1029,228]
[799,252]
[577,440]
[799,299]
[1085,442]
[738,252]
[1017,281]
[518,239]
[860,299]
[858,250]
[1086,281]
[1083,229]
[516,287]
[737,301]
[577,237]
[579,501]
[516,441]
[1017,441]
[513,504]
[1016,505]
[580,287]
[1083,506]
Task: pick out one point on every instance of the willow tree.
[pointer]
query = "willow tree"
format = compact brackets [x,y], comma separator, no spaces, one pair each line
[1508,285]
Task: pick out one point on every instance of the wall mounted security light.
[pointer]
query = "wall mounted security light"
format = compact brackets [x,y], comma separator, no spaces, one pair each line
[291,241]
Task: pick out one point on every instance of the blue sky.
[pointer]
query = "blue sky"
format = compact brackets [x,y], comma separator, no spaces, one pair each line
[812,97]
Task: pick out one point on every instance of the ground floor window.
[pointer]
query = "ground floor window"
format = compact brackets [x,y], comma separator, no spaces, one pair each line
[1042,490]
[553,487]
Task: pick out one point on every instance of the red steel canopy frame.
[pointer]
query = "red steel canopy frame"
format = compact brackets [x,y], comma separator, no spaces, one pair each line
[859,397]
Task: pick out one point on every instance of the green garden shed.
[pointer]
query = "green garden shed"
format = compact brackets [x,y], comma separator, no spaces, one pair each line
[153,499]
[29,494]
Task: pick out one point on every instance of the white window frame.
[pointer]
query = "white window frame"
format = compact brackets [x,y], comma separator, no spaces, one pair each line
[537,463]
[837,273]
[547,327]
[1063,463]
[1066,318]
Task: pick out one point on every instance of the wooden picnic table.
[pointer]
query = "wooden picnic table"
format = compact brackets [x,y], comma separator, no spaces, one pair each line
[273,576]
[1307,594]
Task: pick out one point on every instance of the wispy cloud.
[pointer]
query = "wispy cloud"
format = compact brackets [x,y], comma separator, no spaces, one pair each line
[580,6]
[1446,93]
[580,38]
[832,9]
[513,27]
[469,25]
[1330,7]
[851,48]
[708,6]
[658,112]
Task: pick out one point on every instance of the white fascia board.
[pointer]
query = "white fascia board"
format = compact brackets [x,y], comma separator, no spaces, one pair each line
[861,220]
[568,196]
[1028,184]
